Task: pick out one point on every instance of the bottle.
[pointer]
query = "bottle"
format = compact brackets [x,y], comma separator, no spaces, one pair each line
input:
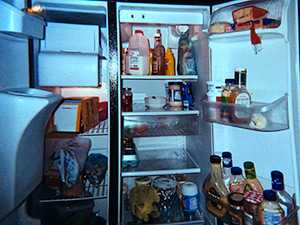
[227,164]
[187,97]
[175,94]
[270,212]
[183,46]
[252,183]
[158,57]
[215,189]
[285,200]
[138,54]
[252,201]
[189,62]
[126,100]
[226,109]
[170,62]
[236,213]
[237,181]
[190,199]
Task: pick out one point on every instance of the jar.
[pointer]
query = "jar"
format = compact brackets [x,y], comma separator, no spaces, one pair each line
[174,94]
[126,100]
[143,181]
[190,199]
[252,200]
[236,201]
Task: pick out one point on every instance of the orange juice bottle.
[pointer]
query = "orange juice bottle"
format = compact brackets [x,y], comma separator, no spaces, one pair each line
[170,62]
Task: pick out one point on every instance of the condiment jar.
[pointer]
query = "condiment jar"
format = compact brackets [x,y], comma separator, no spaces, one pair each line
[175,95]
[236,201]
[252,200]
[190,198]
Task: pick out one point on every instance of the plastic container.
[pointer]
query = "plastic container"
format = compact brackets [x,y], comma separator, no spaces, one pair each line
[190,198]
[138,54]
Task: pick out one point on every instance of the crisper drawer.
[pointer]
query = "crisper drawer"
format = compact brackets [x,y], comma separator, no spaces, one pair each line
[153,126]
[60,37]
[67,69]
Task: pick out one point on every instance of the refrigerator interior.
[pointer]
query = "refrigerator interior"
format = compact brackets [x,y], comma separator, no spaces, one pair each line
[72,61]
[271,82]
[162,136]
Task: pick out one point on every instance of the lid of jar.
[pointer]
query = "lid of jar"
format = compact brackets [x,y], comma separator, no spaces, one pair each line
[277,180]
[215,159]
[236,170]
[270,195]
[139,32]
[236,198]
[164,183]
[253,197]
[189,189]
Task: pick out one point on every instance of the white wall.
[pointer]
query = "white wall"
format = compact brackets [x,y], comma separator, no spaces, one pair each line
[14,71]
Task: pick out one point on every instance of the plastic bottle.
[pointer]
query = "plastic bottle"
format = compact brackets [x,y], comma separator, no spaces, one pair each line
[215,189]
[252,183]
[183,46]
[190,199]
[227,164]
[138,54]
[158,57]
[270,212]
[285,200]
[237,181]
[170,62]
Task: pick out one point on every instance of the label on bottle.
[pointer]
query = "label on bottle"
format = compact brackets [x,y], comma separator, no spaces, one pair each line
[214,197]
[190,66]
[136,62]
[155,68]
[190,203]
[285,208]
[271,217]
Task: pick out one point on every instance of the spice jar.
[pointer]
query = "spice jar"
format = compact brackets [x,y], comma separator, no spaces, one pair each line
[126,100]
[236,201]
[174,94]
[252,200]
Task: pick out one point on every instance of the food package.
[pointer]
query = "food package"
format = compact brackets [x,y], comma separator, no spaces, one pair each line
[248,25]
[220,27]
[248,13]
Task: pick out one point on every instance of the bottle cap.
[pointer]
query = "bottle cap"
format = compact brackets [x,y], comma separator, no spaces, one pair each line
[189,189]
[158,33]
[236,170]
[270,195]
[277,180]
[249,170]
[215,159]
[229,81]
[248,165]
[227,159]
[236,199]
[139,32]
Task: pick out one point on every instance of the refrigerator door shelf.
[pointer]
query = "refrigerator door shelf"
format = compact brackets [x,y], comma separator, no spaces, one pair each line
[265,117]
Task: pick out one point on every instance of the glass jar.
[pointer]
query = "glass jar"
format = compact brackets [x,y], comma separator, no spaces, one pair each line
[236,214]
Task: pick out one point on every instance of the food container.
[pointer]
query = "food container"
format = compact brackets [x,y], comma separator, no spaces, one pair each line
[155,102]
[174,94]
[248,13]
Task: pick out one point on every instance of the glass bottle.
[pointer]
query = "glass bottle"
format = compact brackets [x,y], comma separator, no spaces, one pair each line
[236,202]
[126,100]
[270,212]
[170,62]
[158,57]
[227,164]
[183,47]
[215,189]
[252,183]
[237,181]
[285,200]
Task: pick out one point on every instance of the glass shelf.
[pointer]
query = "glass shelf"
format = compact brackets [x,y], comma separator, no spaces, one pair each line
[157,126]
[100,129]
[162,162]
[258,116]
[142,110]
[161,77]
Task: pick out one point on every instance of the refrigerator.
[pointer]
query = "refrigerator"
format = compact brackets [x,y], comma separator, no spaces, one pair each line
[174,143]
[77,52]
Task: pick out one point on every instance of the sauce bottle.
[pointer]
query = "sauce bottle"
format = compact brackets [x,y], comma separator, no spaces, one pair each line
[236,213]
[270,212]
[285,200]
[158,57]
[227,165]
[215,189]
[170,62]
[252,183]
[237,181]
[183,47]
